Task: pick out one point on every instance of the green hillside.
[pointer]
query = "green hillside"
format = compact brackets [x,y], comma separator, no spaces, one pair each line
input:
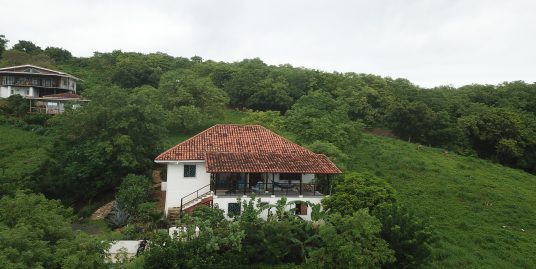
[485,213]
[21,151]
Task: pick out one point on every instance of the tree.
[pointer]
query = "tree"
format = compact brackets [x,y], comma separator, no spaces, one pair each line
[16,105]
[59,55]
[319,117]
[271,95]
[191,99]
[357,191]
[36,233]
[497,133]
[28,47]
[115,134]
[333,152]
[3,44]
[351,241]
[242,85]
[410,237]
[134,191]
[16,57]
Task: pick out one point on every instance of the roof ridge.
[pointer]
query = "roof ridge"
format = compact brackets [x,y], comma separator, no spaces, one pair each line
[39,67]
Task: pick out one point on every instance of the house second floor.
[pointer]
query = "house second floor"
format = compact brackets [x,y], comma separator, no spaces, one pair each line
[34,81]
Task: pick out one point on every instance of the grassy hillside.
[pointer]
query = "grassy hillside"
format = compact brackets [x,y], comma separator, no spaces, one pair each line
[21,151]
[485,213]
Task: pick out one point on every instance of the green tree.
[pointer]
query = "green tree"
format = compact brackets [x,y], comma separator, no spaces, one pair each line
[357,191]
[27,46]
[36,233]
[411,238]
[333,152]
[59,55]
[190,99]
[3,44]
[271,95]
[242,85]
[133,191]
[319,117]
[16,57]
[115,134]
[351,241]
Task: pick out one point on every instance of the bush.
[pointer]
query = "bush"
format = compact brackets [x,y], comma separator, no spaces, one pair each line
[133,191]
[410,237]
[118,216]
[357,191]
[37,119]
[351,242]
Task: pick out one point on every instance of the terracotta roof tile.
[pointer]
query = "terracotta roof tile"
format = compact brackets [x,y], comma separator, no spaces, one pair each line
[269,163]
[63,95]
[263,148]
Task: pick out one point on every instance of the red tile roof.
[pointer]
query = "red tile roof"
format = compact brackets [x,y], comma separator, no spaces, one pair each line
[63,95]
[237,148]
[269,163]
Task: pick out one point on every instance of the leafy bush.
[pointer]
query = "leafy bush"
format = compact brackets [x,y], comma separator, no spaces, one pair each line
[357,191]
[351,241]
[410,237]
[14,105]
[133,191]
[148,214]
[36,233]
[37,119]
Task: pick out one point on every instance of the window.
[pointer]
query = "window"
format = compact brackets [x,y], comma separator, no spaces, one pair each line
[27,92]
[9,80]
[35,81]
[301,209]
[233,209]
[189,170]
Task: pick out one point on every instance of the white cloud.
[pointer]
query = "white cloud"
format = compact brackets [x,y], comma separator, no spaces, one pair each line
[429,42]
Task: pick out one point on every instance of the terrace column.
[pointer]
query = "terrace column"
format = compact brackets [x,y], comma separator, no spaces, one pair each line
[301,185]
[273,187]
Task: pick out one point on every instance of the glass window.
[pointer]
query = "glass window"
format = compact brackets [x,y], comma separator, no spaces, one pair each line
[189,170]
[233,209]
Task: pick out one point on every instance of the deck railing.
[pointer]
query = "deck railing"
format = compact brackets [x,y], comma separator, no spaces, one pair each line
[268,188]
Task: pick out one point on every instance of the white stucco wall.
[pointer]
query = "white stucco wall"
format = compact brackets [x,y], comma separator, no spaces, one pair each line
[5,92]
[178,186]
[223,203]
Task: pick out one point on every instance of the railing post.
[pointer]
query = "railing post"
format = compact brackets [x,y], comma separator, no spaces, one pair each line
[301,186]
[273,186]
[180,211]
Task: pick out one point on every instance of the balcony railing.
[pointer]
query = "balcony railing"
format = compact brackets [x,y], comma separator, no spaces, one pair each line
[268,189]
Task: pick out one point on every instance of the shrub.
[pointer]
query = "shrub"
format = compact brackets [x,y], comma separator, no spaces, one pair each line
[133,191]
[118,217]
[357,191]
[410,237]
[351,241]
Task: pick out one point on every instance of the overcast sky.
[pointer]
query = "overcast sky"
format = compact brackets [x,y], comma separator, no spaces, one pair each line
[430,42]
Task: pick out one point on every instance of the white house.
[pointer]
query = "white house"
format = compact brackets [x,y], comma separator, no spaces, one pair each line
[49,91]
[230,161]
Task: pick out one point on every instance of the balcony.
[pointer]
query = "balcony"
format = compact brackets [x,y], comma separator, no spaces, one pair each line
[246,186]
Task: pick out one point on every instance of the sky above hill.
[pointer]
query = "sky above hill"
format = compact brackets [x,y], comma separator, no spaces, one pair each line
[431,43]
